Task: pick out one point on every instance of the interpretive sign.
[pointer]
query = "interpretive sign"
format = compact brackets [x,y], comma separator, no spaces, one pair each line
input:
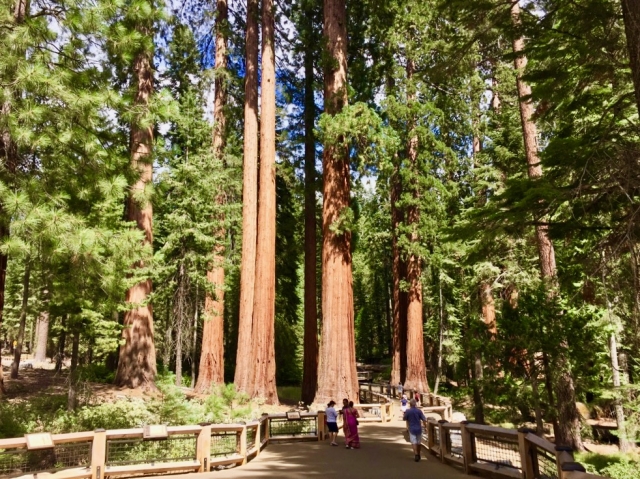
[41,440]
[293,415]
[155,431]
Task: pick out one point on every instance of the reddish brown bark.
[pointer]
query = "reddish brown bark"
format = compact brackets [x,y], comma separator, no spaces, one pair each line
[631,15]
[263,383]
[337,376]
[416,364]
[310,359]
[399,359]
[137,361]
[488,309]
[211,368]
[568,417]
[244,353]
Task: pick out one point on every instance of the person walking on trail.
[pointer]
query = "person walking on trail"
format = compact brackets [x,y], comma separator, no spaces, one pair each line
[415,419]
[351,437]
[332,422]
[403,403]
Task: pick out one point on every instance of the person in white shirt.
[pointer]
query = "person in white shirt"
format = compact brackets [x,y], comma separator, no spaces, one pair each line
[332,422]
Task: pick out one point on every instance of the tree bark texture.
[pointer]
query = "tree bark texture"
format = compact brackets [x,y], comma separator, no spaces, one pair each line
[211,370]
[17,353]
[61,343]
[631,15]
[310,359]
[337,376]
[488,309]
[263,340]
[399,358]
[416,364]
[42,338]
[137,361]
[72,393]
[568,416]
[244,354]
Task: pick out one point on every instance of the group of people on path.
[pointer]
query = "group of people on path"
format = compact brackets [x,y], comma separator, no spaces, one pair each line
[350,417]
[414,417]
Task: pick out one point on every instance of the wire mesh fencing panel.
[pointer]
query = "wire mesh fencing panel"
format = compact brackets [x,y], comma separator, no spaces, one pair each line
[454,443]
[251,436]
[19,461]
[498,450]
[304,427]
[263,430]
[225,443]
[545,466]
[436,435]
[425,436]
[125,452]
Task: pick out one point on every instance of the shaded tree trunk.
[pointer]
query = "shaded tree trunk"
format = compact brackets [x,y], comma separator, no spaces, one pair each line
[61,344]
[337,376]
[211,369]
[631,15]
[416,365]
[568,417]
[72,393]
[263,383]
[245,355]
[194,341]
[310,360]
[399,358]
[42,338]
[168,337]
[15,366]
[137,361]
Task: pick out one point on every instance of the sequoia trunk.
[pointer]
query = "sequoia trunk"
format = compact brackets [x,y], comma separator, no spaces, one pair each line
[263,341]
[137,361]
[337,376]
[416,365]
[244,354]
[211,370]
[568,417]
[310,362]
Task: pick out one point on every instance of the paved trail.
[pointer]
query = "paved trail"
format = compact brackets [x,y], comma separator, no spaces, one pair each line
[385,454]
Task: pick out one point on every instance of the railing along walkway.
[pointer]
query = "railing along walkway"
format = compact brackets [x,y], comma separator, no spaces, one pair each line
[199,449]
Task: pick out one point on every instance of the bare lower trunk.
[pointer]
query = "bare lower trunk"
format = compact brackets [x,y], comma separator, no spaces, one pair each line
[416,365]
[179,351]
[72,393]
[168,339]
[211,369]
[263,340]
[310,360]
[478,402]
[568,417]
[631,15]
[42,338]
[399,358]
[440,340]
[533,372]
[194,340]
[137,361]
[337,376]
[23,320]
[212,354]
[61,343]
[244,355]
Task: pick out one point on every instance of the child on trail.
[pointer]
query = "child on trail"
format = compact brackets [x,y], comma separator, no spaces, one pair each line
[332,422]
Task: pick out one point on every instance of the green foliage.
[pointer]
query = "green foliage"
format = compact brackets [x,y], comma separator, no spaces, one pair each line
[614,466]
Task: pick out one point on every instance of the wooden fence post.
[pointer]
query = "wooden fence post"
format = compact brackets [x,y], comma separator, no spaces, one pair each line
[529,467]
[322,432]
[258,440]
[243,444]
[467,447]
[443,438]
[98,453]
[203,447]
[564,455]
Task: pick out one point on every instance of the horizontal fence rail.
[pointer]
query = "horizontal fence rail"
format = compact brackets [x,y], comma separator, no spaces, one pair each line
[476,449]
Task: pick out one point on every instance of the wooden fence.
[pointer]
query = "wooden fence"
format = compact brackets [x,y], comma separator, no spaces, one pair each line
[491,451]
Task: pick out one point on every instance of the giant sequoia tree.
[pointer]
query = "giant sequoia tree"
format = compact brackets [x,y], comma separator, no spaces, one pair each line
[137,362]
[337,367]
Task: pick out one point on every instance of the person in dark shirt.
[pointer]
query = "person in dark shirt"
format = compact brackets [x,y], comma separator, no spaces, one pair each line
[415,418]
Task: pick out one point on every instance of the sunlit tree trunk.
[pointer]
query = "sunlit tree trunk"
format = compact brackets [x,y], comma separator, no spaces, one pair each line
[245,355]
[568,417]
[263,336]
[310,360]
[337,376]
[416,364]
[211,369]
[137,362]
[42,336]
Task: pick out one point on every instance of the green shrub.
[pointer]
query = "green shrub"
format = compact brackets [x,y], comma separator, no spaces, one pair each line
[613,466]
